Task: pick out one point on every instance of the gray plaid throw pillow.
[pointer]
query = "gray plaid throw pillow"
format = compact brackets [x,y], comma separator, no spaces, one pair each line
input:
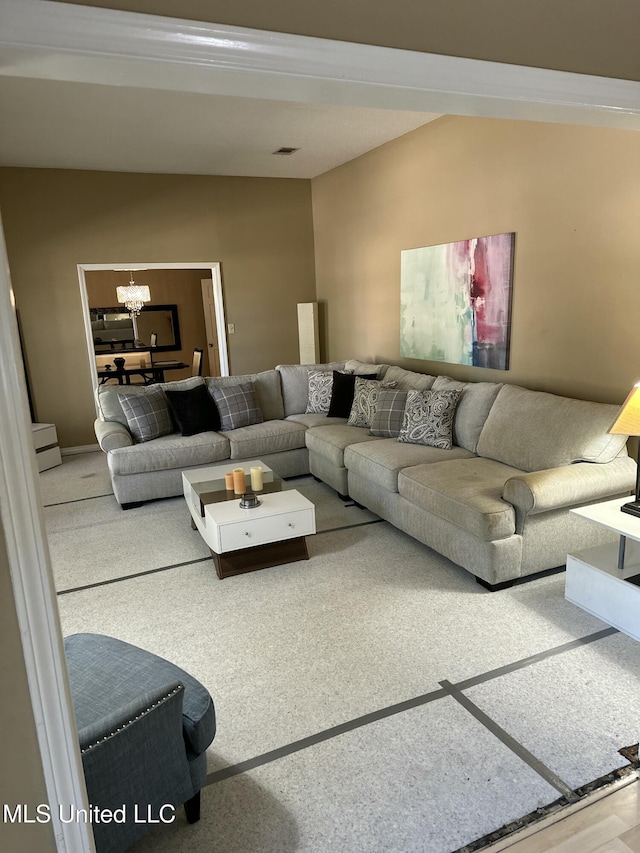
[389,413]
[237,405]
[148,415]
[428,418]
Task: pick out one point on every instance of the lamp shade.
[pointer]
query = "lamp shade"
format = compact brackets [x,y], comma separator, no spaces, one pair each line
[628,419]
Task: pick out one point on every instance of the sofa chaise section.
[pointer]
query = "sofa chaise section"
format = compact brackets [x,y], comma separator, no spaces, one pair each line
[504,512]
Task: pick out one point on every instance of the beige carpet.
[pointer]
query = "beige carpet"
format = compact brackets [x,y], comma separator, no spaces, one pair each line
[330,677]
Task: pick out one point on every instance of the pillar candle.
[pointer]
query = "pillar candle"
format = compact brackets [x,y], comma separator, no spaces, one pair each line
[256,478]
[239,481]
[228,481]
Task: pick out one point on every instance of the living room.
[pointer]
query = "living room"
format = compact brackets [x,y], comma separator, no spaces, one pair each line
[565,190]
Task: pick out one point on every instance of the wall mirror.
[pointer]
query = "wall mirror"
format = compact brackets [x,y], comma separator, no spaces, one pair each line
[156,327]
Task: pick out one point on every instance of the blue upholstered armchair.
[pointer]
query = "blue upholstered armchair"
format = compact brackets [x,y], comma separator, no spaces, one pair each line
[144,725]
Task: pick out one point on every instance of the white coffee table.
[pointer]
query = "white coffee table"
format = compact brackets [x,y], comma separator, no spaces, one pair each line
[244,540]
[605,580]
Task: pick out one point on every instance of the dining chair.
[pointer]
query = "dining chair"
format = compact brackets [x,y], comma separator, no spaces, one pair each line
[196,366]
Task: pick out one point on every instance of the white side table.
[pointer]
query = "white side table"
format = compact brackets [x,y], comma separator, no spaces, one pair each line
[605,580]
[45,442]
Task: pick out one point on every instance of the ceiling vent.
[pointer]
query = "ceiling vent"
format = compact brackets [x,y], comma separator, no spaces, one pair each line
[285,150]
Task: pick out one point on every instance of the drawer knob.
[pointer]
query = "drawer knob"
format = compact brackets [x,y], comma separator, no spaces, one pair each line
[246,533]
[290,524]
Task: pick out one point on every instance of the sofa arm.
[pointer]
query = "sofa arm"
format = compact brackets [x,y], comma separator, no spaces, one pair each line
[570,485]
[135,761]
[111,435]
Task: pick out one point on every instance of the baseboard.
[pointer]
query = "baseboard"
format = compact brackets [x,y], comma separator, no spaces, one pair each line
[84,448]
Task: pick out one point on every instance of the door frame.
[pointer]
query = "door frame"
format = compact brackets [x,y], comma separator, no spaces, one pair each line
[220,323]
[216,276]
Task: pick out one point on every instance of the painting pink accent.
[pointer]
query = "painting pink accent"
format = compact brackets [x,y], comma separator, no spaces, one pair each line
[456,302]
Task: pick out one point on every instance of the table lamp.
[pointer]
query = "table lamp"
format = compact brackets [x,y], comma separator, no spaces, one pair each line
[628,423]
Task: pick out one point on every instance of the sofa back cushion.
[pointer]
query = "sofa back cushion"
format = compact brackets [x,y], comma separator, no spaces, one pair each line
[533,430]
[294,379]
[476,400]
[408,380]
[362,368]
[266,385]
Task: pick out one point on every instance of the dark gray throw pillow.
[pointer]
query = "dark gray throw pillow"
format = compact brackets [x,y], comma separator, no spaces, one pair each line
[342,393]
[147,414]
[237,405]
[194,410]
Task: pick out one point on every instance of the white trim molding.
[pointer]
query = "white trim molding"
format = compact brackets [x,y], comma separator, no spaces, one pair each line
[34,594]
[62,41]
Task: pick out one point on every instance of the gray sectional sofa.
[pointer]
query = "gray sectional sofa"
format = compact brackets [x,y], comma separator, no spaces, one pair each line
[496,503]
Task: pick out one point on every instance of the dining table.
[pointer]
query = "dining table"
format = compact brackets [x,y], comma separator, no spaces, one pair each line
[151,373]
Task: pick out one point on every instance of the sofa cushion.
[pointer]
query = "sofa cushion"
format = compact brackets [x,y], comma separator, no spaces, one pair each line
[407,380]
[309,421]
[320,389]
[428,418]
[389,413]
[148,415]
[474,405]
[534,430]
[237,405]
[294,380]
[194,410]
[266,385]
[331,441]
[168,452]
[360,368]
[109,408]
[466,492]
[253,441]
[381,461]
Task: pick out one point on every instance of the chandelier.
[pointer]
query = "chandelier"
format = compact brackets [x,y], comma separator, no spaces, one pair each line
[133,296]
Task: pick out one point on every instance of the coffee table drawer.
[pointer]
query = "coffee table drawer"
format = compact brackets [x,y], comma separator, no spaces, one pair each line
[261,531]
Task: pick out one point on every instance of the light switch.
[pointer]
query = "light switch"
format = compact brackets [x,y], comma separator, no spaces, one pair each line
[231,328]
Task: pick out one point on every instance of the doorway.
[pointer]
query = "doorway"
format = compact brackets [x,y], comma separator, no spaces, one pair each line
[198,311]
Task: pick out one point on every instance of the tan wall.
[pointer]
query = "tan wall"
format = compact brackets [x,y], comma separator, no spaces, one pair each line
[572,195]
[22,780]
[586,36]
[181,288]
[260,229]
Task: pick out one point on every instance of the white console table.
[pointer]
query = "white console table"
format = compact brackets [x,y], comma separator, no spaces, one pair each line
[605,580]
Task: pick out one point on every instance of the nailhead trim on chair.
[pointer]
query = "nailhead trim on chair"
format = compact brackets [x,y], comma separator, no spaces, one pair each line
[134,720]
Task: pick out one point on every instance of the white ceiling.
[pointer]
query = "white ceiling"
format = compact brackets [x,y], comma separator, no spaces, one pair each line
[92,88]
[71,125]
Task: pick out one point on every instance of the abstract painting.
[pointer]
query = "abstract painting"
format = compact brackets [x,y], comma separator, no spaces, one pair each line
[455,302]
